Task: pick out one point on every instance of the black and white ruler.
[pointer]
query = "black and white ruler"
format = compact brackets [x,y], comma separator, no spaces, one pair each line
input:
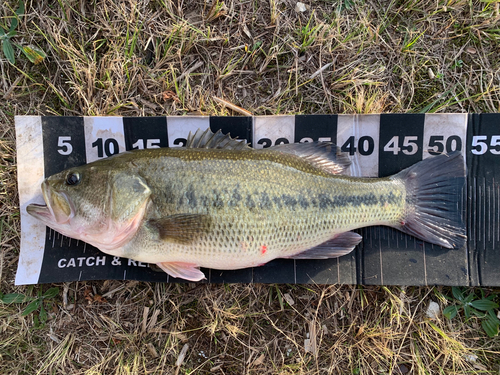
[379,145]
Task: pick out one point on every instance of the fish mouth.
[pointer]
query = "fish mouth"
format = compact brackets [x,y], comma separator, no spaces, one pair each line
[42,211]
[39,211]
[51,213]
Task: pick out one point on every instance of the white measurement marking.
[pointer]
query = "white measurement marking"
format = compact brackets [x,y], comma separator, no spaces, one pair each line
[381,263]
[489,214]
[425,264]
[475,207]
[295,271]
[484,214]
[498,213]
[179,127]
[269,129]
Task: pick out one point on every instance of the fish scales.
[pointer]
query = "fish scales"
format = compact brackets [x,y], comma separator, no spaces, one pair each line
[219,204]
[256,202]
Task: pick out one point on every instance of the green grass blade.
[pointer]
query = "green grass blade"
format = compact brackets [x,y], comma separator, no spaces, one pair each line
[31,307]
[484,304]
[51,293]
[457,293]
[280,300]
[490,327]
[8,51]
[450,312]
[43,314]
[14,298]
[33,54]
[15,20]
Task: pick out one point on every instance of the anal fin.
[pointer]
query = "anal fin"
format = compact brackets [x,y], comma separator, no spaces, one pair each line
[338,246]
[187,271]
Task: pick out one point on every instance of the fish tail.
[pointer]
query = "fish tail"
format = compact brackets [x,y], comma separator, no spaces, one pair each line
[433,211]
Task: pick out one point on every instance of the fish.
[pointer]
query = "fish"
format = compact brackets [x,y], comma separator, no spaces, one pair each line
[220,204]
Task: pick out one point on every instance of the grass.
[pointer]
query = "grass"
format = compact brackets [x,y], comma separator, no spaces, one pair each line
[141,328]
[174,58]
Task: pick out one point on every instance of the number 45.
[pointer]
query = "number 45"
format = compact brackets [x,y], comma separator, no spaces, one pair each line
[410,146]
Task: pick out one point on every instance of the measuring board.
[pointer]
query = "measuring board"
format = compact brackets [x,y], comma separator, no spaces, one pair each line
[378,145]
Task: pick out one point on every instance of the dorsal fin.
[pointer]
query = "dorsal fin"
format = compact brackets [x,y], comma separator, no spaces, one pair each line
[323,155]
[209,139]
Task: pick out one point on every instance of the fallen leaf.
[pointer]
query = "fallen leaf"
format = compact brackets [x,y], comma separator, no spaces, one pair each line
[433,310]
[300,7]
[182,355]
[93,298]
[152,350]
[289,299]
[100,299]
[471,50]
[87,294]
[259,360]
[170,95]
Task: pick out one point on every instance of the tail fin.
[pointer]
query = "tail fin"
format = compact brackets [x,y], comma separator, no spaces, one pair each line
[433,193]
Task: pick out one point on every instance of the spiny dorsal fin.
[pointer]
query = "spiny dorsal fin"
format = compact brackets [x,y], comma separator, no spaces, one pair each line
[209,139]
[323,155]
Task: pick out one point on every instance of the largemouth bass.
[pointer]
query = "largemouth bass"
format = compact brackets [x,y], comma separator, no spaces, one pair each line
[218,203]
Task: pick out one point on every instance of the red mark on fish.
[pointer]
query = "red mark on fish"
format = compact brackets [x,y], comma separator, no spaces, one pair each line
[263,249]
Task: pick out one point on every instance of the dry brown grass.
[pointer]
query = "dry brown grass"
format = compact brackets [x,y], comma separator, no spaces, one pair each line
[139,58]
[137,328]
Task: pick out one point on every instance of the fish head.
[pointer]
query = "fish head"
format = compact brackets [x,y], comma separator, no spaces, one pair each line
[97,204]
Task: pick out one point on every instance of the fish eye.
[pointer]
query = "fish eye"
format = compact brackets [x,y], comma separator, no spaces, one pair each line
[73,178]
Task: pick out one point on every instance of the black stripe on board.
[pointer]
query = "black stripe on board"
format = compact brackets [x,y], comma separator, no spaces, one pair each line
[483,164]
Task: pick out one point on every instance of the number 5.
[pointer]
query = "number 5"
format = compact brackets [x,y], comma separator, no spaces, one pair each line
[495,142]
[478,140]
[64,143]
[409,145]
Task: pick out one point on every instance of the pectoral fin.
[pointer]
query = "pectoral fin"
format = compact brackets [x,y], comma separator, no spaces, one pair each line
[187,271]
[181,228]
[338,246]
